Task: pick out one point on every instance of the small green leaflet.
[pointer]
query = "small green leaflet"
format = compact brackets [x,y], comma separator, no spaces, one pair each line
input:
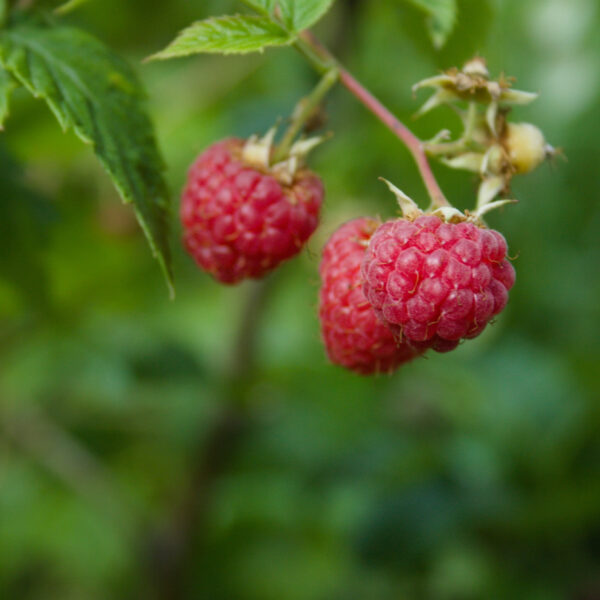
[95,92]
[7,85]
[298,15]
[441,18]
[264,7]
[227,35]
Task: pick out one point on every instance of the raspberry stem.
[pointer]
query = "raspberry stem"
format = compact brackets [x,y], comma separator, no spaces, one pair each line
[303,111]
[322,59]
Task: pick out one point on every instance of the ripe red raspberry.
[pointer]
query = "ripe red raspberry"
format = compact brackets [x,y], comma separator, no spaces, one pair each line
[240,221]
[354,337]
[435,283]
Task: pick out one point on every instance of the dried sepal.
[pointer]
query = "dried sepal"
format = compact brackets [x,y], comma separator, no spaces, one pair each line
[490,206]
[471,83]
[410,209]
[286,170]
[468,161]
[449,214]
[441,136]
[519,97]
[303,147]
[257,151]
[491,117]
[440,97]
[489,189]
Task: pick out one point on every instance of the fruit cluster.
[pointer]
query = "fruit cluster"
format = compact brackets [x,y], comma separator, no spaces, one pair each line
[353,335]
[390,291]
[422,280]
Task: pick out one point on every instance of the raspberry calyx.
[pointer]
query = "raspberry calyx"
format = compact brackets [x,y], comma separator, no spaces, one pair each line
[435,279]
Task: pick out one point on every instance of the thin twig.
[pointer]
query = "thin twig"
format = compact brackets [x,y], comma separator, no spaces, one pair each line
[304,109]
[310,47]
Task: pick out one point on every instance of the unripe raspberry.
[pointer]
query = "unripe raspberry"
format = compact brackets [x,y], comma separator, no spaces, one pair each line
[435,283]
[241,221]
[525,146]
[354,338]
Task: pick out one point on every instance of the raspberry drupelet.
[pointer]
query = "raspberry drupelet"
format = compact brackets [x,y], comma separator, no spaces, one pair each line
[354,338]
[434,283]
[241,221]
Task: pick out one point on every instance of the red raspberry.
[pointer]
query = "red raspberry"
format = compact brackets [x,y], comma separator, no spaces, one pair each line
[239,221]
[354,337]
[435,283]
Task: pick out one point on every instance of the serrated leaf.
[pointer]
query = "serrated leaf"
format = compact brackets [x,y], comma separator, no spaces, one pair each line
[265,7]
[441,18]
[95,92]
[302,14]
[7,85]
[238,34]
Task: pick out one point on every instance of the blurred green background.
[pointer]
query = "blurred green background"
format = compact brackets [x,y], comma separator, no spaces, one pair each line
[469,475]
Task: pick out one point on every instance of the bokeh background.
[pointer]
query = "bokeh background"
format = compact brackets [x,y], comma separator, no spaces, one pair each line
[149,448]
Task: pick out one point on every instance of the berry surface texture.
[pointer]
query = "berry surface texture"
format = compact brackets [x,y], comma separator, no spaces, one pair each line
[435,283]
[353,335]
[241,221]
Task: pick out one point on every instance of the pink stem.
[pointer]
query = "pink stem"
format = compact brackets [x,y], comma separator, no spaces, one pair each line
[406,135]
[409,139]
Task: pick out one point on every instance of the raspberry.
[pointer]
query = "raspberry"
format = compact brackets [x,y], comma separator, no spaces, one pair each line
[435,283]
[239,220]
[353,336]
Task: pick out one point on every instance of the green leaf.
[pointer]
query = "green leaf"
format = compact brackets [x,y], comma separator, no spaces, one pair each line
[227,35]
[3,10]
[302,14]
[7,85]
[296,15]
[265,7]
[93,91]
[441,18]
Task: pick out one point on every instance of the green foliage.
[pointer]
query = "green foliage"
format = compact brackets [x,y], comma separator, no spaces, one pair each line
[264,7]
[69,6]
[441,18]
[241,34]
[237,34]
[90,89]
[7,85]
[296,15]
[467,476]
[24,219]
[302,14]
